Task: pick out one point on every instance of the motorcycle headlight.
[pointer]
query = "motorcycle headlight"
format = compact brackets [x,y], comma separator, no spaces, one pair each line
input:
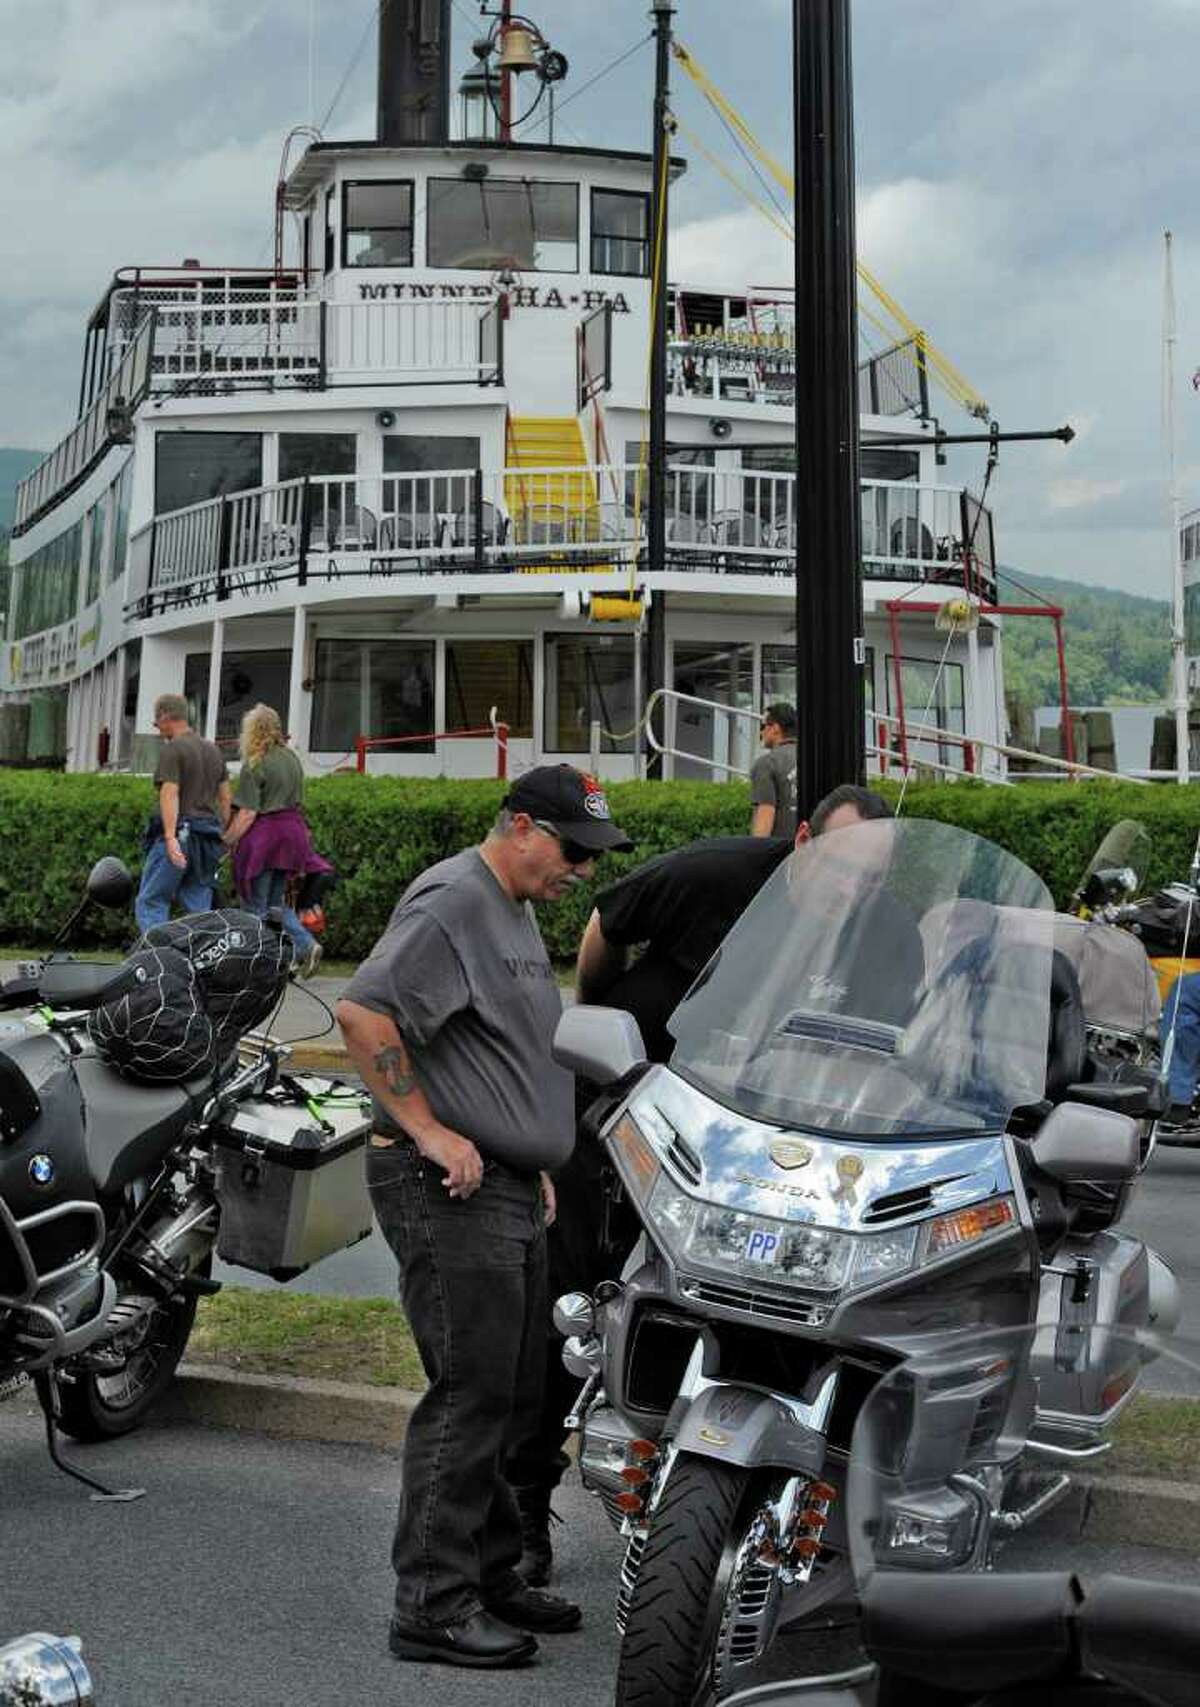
[759,1248]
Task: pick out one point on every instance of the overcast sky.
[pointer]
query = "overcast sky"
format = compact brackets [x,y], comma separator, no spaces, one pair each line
[1018,162]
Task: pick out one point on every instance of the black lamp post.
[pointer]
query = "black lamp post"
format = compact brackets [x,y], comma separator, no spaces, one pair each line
[656,493]
[829,614]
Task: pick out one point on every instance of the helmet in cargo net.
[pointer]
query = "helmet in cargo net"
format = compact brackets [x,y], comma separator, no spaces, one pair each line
[155,1026]
[240,960]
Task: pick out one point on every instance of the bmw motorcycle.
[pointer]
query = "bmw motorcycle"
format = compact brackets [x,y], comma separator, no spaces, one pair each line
[115,1195]
[1051,1626]
[880,1126]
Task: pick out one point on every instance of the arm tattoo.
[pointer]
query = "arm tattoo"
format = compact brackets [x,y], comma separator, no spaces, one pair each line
[392,1065]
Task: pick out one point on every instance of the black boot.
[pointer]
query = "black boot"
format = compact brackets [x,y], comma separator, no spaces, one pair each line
[537,1556]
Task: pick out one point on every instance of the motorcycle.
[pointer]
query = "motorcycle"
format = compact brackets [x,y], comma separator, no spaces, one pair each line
[44,1671]
[114,1195]
[870,1134]
[1050,1625]
[1165,923]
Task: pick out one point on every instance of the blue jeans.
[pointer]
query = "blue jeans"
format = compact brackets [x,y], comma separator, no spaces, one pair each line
[473,1286]
[266,891]
[1185,1058]
[162,883]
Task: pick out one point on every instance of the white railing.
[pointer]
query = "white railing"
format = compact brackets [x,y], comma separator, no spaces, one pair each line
[107,421]
[212,333]
[589,517]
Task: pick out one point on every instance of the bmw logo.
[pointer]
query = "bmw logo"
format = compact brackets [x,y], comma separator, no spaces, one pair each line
[41,1169]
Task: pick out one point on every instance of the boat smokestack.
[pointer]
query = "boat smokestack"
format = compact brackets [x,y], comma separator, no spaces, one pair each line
[414,72]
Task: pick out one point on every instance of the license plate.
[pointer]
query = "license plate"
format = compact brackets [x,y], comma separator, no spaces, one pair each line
[762,1245]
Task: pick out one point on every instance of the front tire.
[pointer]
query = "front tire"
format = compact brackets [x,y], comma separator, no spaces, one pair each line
[666,1655]
[95,1405]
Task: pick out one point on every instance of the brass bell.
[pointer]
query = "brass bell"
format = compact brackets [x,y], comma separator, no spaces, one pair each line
[517,49]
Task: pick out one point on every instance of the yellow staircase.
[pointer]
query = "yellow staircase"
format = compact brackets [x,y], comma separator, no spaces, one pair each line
[555,501]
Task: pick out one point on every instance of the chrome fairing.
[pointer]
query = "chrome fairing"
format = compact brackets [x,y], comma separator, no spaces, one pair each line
[719,1157]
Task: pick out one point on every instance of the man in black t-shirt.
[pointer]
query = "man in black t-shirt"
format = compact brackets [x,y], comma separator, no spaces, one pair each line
[678,909]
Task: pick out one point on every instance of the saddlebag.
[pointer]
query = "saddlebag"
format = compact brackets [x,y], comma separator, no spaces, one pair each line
[291,1180]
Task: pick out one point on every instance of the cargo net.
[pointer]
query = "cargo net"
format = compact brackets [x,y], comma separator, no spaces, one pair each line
[192,988]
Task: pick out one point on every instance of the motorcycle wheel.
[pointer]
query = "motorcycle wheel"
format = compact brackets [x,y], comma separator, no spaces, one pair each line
[677,1605]
[96,1406]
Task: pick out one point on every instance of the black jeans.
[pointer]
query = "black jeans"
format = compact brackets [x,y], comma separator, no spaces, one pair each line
[473,1286]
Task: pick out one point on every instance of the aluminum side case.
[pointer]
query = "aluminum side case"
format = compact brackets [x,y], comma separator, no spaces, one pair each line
[291,1182]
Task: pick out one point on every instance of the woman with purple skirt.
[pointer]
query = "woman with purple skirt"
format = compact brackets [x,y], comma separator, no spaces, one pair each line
[268,834]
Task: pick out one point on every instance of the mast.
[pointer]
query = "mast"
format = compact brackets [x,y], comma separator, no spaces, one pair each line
[1178,635]
[830,648]
[656,495]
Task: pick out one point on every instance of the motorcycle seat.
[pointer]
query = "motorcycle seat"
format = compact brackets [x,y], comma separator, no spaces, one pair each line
[129,1128]
[77,983]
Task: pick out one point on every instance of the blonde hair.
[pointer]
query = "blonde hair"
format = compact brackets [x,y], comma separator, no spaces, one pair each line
[261,730]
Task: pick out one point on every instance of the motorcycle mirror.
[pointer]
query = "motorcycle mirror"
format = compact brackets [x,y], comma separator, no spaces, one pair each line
[45,1671]
[574,1313]
[1079,1145]
[601,1044]
[109,883]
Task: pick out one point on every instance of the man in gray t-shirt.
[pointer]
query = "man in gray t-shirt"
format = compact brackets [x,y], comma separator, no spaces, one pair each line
[776,809]
[450,1023]
[183,845]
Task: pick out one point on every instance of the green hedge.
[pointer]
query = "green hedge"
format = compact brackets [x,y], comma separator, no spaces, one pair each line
[382,831]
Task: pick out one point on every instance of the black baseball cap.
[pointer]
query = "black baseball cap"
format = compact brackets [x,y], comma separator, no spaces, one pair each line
[575,804]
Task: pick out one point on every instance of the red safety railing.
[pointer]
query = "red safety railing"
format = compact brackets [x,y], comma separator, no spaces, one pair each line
[363,744]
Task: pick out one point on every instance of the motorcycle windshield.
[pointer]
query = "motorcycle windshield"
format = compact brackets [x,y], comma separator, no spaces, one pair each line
[889,978]
[1126,846]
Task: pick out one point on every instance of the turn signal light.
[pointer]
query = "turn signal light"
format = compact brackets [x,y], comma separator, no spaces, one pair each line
[641,1451]
[814,1517]
[964,1226]
[635,1476]
[628,1502]
[807,1547]
[823,1491]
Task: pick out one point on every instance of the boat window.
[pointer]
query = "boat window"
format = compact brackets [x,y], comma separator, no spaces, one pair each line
[503,222]
[933,696]
[316,453]
[95,577]
[589,678]
[247,679]
[481,674]
[48,584]
[620,233]
[377,224]
[1191,616]
[373,687]
[779,679]
[122,494]
[330,236]
[725,674]
[190,467]
[405,453]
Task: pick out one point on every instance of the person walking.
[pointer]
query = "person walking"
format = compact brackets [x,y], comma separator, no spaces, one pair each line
[450,1022]
[183,840]
[773,776]
[268,833]
[676,909]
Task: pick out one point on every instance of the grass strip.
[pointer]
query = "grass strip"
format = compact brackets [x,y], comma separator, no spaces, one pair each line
[300,1333]
[367,1340]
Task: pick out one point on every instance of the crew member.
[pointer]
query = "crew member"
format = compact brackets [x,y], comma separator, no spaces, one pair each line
[678,908]
[773,796]
[450,1023]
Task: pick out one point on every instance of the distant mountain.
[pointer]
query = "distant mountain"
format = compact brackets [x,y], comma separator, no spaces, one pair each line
[14,466]
[1118,645]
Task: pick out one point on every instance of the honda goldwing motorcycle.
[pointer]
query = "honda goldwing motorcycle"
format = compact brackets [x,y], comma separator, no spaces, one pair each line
[880,1125]
[114,1195]
[1050,1627]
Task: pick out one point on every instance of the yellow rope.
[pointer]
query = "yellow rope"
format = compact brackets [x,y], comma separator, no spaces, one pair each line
[951,379]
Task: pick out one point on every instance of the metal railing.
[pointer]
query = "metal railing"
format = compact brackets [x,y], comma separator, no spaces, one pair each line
[518,520]
[106,422]
[496,731]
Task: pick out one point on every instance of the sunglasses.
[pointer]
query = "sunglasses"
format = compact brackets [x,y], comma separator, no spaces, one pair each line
[573,852]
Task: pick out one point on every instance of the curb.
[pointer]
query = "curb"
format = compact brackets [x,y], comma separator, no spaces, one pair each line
[1133,1510]
[287,1407]
[321,1058]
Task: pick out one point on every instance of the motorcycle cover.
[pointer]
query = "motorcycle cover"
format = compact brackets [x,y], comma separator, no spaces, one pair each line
[1116,980]
[241,963]
[156,1027]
